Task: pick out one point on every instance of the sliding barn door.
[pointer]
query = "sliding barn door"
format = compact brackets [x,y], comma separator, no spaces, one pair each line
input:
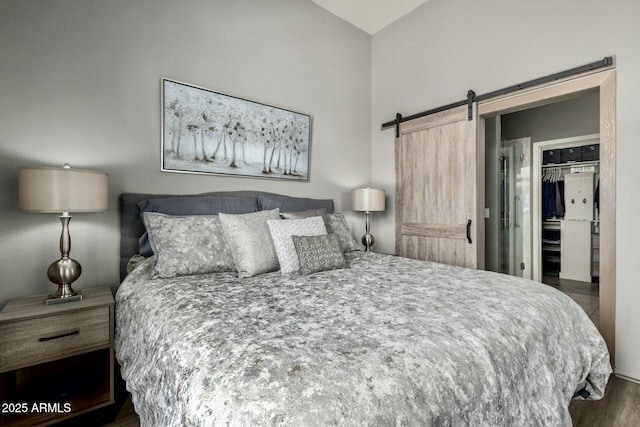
[437,188]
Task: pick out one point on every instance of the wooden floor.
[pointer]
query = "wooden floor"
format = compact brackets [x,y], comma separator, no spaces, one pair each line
[127,417]
[586,295]
[621,403]
[572,286]
[620,407]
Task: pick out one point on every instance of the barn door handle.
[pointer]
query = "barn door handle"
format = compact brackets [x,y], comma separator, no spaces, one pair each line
[469,231]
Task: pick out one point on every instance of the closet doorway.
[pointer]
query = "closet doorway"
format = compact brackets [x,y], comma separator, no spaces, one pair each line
[558,211]
[602,85]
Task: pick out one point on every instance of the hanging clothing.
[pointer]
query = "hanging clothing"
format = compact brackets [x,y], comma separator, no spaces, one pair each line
[553,205]
[548,199]
[560,209]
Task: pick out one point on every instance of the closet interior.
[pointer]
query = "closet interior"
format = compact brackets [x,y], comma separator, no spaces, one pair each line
[570,212]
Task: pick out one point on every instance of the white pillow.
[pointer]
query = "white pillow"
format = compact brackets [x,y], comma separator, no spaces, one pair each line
[281,232]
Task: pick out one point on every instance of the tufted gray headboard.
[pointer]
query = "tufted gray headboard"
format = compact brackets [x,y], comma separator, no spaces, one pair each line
[132,227]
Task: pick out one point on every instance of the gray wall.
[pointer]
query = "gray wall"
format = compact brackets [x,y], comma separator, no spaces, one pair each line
[574,117]
[432,56]
[80,83]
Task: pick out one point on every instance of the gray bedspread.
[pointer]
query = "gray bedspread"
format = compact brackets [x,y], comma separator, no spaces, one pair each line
[386,342]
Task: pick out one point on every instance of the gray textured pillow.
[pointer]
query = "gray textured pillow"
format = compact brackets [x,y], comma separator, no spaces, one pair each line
[338,225]
[281,232]
[319,253]
[187,245]
[250,241]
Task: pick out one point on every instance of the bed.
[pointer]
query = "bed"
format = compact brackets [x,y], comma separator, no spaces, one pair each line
[381,340]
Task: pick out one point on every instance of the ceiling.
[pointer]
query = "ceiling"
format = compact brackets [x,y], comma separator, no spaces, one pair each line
[369,15]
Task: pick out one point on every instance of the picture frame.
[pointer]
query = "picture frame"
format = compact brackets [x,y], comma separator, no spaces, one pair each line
[208,132]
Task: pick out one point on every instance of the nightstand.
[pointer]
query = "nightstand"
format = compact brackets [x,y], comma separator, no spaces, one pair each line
[56,361]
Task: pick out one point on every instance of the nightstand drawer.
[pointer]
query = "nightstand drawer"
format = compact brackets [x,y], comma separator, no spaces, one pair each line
[32,341]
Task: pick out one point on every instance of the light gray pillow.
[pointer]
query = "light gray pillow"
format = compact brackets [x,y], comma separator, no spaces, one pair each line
[281,232]
[338,225]
[322,212]
[187,245]
[319,253]
[250,241]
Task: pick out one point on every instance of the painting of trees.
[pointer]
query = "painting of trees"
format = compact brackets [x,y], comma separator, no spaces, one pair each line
[209,132]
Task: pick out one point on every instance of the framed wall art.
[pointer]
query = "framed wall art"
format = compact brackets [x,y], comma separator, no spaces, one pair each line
[207,132]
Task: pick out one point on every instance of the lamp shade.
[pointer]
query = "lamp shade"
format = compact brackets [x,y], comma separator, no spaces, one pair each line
[62,190]
[367,200]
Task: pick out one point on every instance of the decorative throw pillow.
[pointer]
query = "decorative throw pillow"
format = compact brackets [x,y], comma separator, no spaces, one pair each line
[134,262]
[281,232]
[319,253]
[322,212]
[187,245]
[250,241]
[338,225]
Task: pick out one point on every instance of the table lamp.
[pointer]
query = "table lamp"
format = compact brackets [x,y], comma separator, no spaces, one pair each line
[367,200]
[62,190]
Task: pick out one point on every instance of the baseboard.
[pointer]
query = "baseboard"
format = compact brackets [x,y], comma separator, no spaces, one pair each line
[626,375]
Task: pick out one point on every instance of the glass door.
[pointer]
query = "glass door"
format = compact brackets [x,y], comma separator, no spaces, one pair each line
[515,208]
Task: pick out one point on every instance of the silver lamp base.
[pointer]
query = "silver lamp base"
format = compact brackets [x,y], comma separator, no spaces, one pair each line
[367,238]
[52,299]
[64,271]
[368,241]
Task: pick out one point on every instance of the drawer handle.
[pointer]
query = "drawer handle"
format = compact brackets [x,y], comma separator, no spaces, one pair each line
[55,337]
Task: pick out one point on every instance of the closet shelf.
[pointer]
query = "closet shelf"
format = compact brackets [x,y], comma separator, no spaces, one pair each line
[572,164]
